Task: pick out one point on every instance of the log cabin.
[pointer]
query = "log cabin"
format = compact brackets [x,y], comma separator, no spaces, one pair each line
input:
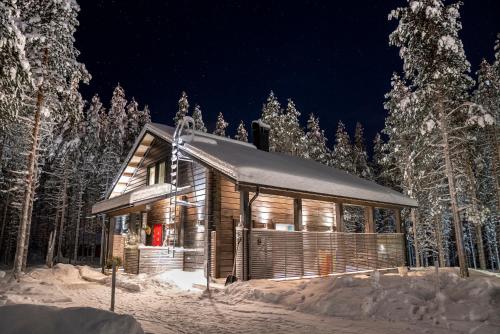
[197,201]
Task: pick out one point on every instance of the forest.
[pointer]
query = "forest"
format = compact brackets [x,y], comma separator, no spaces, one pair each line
[59,153]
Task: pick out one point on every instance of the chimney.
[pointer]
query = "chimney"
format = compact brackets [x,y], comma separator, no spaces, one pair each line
[260,133]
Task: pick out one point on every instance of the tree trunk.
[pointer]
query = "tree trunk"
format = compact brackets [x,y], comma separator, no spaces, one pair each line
[28,228]
[27,198]
[63,216]
[495,161]
[414,219]
[4,219]
[475,213]
[78,214]
[464,272]
[439,237]
[480,247]
[49,260]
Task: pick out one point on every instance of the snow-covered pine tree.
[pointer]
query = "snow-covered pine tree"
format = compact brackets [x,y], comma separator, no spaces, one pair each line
[198,119]
[342,156]
[133,123]
[315,142]
[14,66]
[487,158]
[272,114]
[241,133]
[361,166]
[56,73]
[377,164]
[435,62]
[145,116]
[183,108]
[402,128]
[115,134]
[220,126]
[292,135]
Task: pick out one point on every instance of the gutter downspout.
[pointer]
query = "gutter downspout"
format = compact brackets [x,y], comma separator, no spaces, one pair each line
[249,225]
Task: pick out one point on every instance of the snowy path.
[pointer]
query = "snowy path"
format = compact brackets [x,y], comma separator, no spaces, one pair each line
[185,312]
[166,309]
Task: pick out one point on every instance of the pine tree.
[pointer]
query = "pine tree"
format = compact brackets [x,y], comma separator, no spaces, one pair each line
[56,74]
[198,119]
[220,126]
[241,134]
[133,123]
[14,66]
[145,116]
[315,142]
[272,114]
[183,108]
[377,164]
[361,167]
[435,63]
[118,119]
[292,135]
[342,157]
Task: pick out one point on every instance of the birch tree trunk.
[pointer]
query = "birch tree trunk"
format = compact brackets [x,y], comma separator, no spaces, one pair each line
[27,198]
[464,272]
[49,260]
[78,214]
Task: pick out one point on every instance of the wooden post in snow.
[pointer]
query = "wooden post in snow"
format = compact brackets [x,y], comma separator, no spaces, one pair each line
[113,286]
[339,217]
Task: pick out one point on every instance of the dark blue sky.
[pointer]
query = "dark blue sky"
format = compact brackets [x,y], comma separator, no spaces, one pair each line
[331,57]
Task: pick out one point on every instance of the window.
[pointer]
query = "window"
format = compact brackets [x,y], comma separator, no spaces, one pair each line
[161,172]
[151,175]
[157,173]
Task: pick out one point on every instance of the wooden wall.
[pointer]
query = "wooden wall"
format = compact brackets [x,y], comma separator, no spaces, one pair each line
[160,150]
[226,209]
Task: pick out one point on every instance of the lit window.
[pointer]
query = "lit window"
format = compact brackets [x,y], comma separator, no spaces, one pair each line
[161,172]
[151,175]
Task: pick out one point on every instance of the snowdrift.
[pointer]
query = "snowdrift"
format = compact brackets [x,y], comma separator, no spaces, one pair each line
[34,319]
[475,300]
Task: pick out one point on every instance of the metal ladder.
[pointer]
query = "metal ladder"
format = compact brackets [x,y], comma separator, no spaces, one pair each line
[177,142]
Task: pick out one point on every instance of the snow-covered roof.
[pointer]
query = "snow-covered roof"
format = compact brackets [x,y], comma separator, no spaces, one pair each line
[246,164]
[140,195]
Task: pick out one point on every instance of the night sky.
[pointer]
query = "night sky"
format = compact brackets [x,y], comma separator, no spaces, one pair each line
[331,57]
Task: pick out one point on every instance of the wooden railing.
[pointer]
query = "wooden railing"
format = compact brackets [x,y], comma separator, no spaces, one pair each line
[283,254]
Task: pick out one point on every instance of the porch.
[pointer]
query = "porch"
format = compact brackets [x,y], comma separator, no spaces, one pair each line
[273,254]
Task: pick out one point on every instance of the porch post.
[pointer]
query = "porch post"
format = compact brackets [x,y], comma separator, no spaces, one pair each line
[369,222]
[397,220]
[111,233]
[339,217]
[371,239]
[401,229]
[297,214]
[104,241]
[246,219]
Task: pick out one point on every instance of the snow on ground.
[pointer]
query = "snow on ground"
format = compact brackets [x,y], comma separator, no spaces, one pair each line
[166,303]
[451,302]
[71,320]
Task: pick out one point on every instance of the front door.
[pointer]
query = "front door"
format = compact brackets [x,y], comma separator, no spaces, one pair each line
[157,234]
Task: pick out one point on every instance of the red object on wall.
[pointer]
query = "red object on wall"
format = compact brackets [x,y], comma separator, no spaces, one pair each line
[157,234]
